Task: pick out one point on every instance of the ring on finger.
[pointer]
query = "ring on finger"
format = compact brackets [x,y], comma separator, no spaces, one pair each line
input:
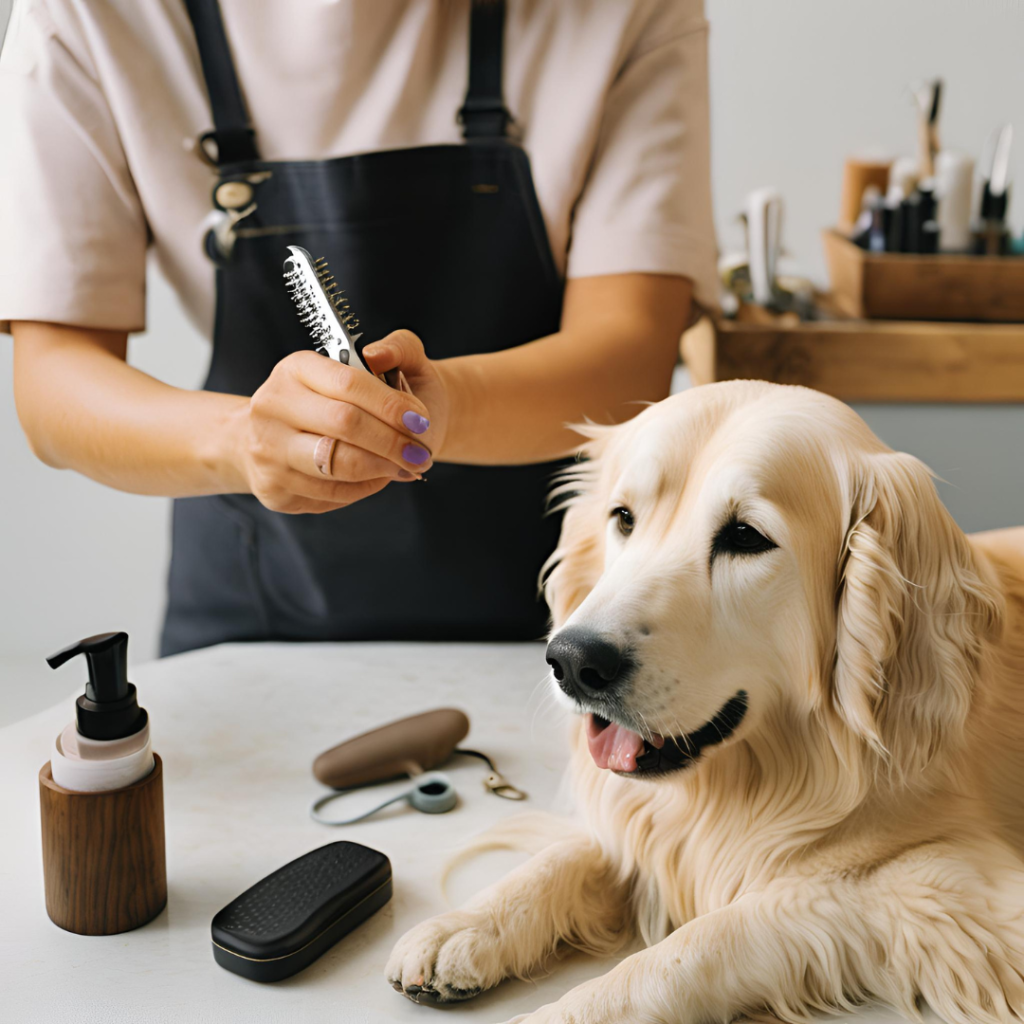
[323,454]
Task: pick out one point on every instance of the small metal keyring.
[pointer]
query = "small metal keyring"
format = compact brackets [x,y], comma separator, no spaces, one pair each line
[500,786]
[495,783]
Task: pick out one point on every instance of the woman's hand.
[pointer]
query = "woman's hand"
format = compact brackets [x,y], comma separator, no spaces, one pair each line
[402,350]
[382,435]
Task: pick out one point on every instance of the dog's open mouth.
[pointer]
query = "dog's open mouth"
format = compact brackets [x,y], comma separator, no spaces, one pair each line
[625,752]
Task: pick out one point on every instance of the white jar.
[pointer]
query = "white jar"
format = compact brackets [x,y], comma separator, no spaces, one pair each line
[85,765]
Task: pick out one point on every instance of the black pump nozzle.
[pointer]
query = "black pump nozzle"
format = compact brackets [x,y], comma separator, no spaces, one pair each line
[107,655]
[109,710]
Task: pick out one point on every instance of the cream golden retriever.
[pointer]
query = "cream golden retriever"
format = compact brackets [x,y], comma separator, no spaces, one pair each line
[799,757]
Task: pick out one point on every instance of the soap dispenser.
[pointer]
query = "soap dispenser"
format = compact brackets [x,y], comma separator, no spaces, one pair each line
[101,802]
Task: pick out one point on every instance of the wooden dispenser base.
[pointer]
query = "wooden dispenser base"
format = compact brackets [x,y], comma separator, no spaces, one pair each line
[103,854]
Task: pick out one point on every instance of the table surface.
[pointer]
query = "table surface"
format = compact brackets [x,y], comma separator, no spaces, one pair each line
[237,727]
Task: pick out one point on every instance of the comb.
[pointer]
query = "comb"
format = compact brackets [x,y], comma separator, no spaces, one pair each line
[323,309]
[326,314]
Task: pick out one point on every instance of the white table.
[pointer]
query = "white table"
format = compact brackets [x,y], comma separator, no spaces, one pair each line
[237,727]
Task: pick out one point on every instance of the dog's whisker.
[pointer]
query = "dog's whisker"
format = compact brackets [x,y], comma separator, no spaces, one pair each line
[543,699]
[647,733]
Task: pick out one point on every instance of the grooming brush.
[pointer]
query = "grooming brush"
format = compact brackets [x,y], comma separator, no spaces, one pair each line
[326,313]
[410,746]
[323,309]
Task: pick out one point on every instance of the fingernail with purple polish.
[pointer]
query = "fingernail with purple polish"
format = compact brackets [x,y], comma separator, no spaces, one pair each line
[415,422]
[415,454]
[404,474]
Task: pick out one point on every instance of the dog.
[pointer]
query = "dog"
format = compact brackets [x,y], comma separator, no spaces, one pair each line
[799,752]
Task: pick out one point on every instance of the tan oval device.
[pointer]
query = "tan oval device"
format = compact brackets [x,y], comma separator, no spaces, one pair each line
[409,746]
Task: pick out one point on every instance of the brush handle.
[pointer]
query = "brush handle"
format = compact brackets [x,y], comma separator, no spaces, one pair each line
[406,747]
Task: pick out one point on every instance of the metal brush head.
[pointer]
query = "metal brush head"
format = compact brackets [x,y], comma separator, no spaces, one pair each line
[323,309]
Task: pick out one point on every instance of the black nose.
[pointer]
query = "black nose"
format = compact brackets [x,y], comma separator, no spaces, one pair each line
[584,663]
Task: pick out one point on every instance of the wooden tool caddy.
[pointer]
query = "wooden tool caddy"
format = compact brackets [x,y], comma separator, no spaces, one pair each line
[935,341]
[908,286]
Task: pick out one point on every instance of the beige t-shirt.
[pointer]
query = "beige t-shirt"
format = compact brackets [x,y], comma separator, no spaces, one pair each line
[100,104]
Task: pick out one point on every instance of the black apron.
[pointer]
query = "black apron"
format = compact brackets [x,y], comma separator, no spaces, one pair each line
[447,241]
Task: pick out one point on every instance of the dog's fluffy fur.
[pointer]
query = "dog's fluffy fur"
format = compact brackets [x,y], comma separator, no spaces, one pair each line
[860,834]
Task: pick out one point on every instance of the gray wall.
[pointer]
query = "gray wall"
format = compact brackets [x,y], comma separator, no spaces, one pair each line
[77,558]
[796,85]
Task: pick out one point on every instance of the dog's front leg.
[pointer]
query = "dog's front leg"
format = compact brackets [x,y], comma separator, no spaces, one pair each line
[568,893]
[784,948]
[931,925]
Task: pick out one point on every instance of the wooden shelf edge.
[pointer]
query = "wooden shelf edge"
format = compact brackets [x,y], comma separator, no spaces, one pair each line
[879,361]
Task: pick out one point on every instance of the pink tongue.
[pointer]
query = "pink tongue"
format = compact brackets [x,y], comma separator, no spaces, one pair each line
[614,746]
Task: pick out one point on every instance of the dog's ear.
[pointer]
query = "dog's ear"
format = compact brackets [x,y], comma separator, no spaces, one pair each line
[577,563]
[914,615]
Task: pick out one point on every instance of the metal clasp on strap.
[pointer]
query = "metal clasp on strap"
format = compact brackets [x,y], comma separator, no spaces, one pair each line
[233,201]
[500,786]
[219,237]
[495,782]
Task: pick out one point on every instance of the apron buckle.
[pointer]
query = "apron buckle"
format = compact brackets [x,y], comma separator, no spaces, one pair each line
[484,118]
[227,146]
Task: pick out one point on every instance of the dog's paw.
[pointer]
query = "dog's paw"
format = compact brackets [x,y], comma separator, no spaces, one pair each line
[446,959]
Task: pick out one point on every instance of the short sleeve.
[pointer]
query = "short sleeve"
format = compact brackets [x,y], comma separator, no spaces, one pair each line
[646,203]
[72,232]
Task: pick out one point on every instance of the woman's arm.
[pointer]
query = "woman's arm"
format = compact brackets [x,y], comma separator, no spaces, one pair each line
[617,347]
[83,407]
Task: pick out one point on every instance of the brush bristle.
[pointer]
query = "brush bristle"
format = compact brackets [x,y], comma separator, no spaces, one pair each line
[301,291]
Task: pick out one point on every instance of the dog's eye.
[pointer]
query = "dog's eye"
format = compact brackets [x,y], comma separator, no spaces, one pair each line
[740,539]
[624,519]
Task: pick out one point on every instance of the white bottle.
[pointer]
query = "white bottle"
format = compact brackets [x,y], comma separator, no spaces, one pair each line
[108,746]
[954,186]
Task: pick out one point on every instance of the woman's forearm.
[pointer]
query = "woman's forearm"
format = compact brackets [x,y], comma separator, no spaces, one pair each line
[83,407]
[616,350]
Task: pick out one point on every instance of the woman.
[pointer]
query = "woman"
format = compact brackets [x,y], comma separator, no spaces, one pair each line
[516,294]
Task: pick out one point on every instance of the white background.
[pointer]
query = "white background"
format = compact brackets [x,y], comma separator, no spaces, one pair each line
[796,86]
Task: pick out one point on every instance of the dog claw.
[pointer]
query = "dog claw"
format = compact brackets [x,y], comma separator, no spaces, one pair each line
[466,993]
[424,995]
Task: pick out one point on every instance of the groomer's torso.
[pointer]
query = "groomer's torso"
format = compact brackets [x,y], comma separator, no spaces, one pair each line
[326,79]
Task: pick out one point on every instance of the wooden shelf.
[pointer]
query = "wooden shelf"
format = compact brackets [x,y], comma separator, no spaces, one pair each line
[866,361]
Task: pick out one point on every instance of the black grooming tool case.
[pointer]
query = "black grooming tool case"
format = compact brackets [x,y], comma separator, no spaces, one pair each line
[288,919]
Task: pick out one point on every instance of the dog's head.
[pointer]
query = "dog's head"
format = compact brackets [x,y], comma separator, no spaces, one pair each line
[744,548]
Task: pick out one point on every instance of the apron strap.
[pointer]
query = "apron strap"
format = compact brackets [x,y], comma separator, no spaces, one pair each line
[484,114]
[233,139]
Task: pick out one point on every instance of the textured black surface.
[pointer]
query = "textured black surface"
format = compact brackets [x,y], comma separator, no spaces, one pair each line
[290,908]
